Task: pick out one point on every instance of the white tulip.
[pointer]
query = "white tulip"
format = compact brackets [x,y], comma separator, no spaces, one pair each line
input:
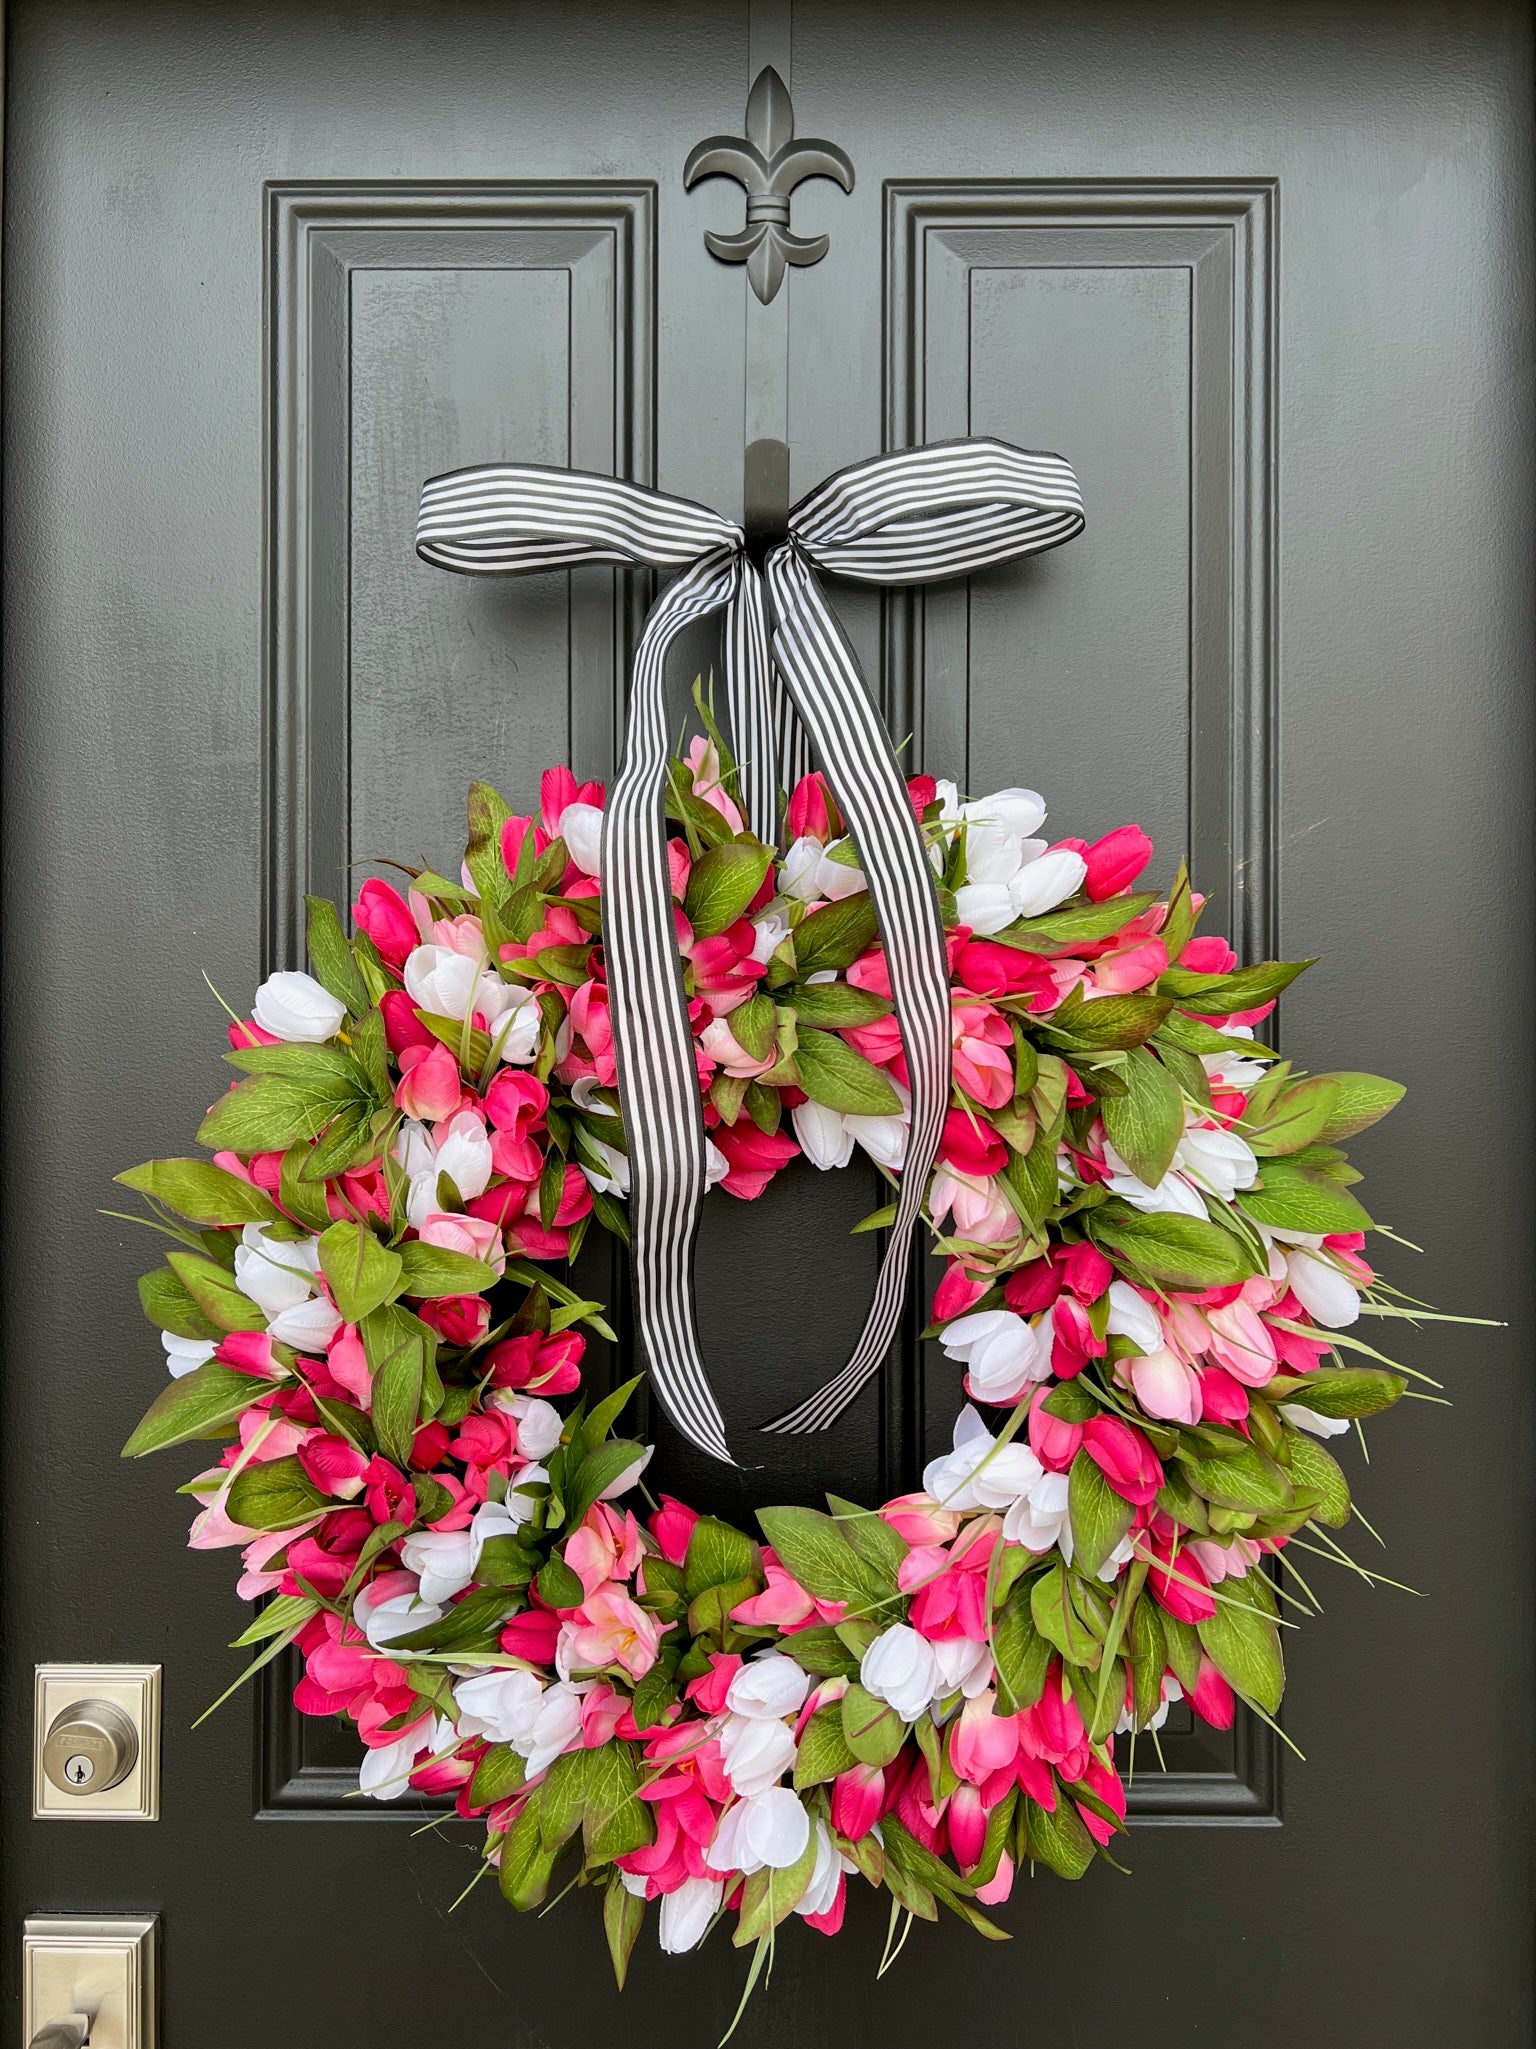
[441,1561]
[1132,1317]
[520,1504]
[824,1136]
[555,1728]
[1038,1519]
[458,1148]
[761,1831]
[1017,811]
[770,929]
[716,1165]
[992,855]
[900,1668]
[385,1771]
[539,1424]
[1217,1160]
[1001,1353]
[442,981]
[963,1667]
[185,1355]
[581,827]
[1310,1421]
[1174,1195]
[274,1275]
[308,1326]
[985,906]
[294,1007]
[628,1477]
[826,1872]
[1047,882]
[384,1622]
[757,1753]
[687,1913]
[605,1167]
[883,1138]
[501,1706]
[1327,1295]
[811,871]
[769,1688]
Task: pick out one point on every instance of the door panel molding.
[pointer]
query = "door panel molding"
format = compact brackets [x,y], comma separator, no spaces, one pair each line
[462,299]
[982,281]
[329,248]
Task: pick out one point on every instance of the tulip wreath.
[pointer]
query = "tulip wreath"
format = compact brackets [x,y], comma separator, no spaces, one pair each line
[1153,1256]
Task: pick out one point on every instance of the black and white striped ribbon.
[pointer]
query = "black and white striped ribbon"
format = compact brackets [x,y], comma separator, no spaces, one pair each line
[946,510]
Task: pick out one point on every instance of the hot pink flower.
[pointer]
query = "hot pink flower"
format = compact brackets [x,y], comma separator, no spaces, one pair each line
[1105,1781]
[610,1629]
[605,1546]
[401,1027]
[516,1102]
[1052,1440]
[1115,861]
[1212,1699]
[966,1820]
[982,1058]
[953,1603]
[956,1293]
[754,1156]
[591,1049]
[783,1603]
[1124,1457]
[971,1146]
[983,1741]
[709,1689]
[672,1527]
[722,968]
[1208,956]
[458,1319]
[537,1365]
[858,1797]
[531,1635]
[813,814]
[1178,1580]
[384,915]
[331,1464]
[990,969]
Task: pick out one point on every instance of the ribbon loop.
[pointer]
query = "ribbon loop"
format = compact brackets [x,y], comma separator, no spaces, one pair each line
[914,516]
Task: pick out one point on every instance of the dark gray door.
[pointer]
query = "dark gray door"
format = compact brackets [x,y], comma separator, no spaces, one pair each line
[1261,272]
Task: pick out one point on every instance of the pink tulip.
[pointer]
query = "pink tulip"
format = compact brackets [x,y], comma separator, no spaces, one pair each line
[384,915]
[1052,1440]
[1212,1699]
[514,834]
[1208,956]
[971,1146]
[989,969]
[999,1886]
[458,1319]
[1115,861]
[956,1293]
[1073,1341]
[537,1365]
[531,1636]
[430,1087]
[474,1237]
[591,1036]
[1165,1387]
[605,1546]
[516,1102]
[703,759]
[610,1629]
[331,1464]
[978,1214]
[708,1691]
[812,812]
[723,969]
[982,1053]
[953,1601]
[919,1518]
[401,1028]
[730,1056]
[966,1820]
[754,1156]
[558,788]
[783,1603]
[1178,1581]
[1242,1343]
[983,1741]
[1124,1457]
[1105,1781]
[1130,967]
[1222,1400]
[858,1798]
[672,1527]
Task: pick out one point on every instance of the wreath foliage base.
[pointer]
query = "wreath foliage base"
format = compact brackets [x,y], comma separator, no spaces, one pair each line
[1153,1253]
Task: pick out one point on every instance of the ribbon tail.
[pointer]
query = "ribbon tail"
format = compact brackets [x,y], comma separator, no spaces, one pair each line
[821,671]
[749,697]
[653,1042]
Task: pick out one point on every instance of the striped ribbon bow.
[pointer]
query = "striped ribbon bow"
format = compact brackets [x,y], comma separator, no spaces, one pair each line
[921,514]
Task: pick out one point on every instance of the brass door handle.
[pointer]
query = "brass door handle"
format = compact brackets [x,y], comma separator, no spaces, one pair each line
[72,2032]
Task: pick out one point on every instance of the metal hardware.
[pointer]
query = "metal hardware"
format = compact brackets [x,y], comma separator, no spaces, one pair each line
[72,2032]
[88,1980]
[768,163]
[90,1748]
[765,494]
[96,1743]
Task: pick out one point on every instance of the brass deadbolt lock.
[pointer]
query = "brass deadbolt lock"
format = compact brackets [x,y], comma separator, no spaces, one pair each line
[91,1745]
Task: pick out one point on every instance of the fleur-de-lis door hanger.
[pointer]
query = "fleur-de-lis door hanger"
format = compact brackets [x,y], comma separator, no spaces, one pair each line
[769,163]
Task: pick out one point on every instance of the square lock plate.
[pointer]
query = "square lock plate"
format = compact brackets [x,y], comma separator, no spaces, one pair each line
[131,1696]
[103,1968]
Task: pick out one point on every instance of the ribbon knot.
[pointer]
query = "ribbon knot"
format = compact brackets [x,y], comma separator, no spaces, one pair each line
[916,516]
